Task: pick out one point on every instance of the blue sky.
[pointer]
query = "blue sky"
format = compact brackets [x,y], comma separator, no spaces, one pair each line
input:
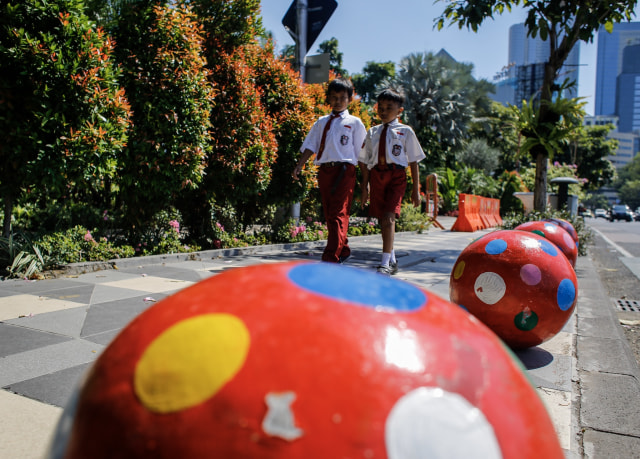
[388,30]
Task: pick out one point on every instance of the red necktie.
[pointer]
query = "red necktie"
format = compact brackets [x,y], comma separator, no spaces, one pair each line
[324,134]
[382,146]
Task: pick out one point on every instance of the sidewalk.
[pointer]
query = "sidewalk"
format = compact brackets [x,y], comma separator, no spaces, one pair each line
[52,330]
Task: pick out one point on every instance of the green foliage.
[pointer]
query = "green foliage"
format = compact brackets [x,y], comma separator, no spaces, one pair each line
[77,244]
[479,155]
[465,180]
[166,79]
[63,125]
[585,235]
[335,57]
[561,24]
[372,75]
[412,219]
[20,257]
[441,96]
[629,193]
[291,231]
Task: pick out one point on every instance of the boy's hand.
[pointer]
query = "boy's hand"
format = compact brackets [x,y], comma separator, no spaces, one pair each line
[364,199]
[415,198]
[296,171]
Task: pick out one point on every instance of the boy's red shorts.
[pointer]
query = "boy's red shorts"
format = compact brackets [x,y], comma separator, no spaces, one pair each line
[386,190]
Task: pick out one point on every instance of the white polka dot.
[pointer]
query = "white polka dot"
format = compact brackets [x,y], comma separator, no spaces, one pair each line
[430,422]
[489,287]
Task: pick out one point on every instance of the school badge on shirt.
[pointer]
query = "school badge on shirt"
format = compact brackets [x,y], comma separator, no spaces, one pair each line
[344,140]
[396,150]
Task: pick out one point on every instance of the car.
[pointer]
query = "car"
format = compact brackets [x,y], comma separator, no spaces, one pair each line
[621,212]
[601,213]
[586,213]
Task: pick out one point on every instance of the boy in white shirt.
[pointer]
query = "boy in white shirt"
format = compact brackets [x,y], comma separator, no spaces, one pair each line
[388,149]
[335,139]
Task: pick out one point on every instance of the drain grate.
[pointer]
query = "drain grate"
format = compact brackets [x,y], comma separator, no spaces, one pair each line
[627,305]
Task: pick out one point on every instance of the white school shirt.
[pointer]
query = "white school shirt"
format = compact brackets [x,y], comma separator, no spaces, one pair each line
[402,146]
[343,142]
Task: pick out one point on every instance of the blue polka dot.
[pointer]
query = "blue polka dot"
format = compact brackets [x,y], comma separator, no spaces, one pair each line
[496,247]
[358,286]
[548,248]
[566,294]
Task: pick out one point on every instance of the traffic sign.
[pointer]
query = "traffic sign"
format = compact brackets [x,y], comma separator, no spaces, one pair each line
[318,14]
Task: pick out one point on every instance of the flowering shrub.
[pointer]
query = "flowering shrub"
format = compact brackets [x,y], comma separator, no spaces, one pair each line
[301,232]
[78,244]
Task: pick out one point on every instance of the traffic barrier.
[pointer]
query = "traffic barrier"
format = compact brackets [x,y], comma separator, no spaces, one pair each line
[476,213]
[431,196]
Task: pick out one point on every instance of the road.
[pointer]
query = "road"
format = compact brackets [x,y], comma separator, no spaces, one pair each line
[616,256]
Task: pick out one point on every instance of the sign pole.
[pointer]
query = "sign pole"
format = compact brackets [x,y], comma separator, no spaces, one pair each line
[302,9]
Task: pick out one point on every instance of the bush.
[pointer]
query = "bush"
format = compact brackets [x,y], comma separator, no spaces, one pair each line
[412,219]
[78,244]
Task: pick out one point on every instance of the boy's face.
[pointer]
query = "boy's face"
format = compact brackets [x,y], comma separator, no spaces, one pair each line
[389,110]
[338,100]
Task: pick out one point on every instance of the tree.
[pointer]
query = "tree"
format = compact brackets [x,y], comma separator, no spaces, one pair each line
[628,183]
[159,47]
[477,154]
[63,116]
[561,24]
[589,152]
[372,75]
[436,103]
[335,57]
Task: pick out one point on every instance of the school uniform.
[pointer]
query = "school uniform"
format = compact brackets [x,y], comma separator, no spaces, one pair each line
[336,150]
[387,166]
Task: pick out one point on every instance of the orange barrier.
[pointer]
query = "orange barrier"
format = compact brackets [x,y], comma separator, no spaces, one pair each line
[431,195]
[476,213]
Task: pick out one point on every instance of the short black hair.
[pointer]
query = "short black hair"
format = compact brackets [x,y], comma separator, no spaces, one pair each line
[340,85]
[393,96]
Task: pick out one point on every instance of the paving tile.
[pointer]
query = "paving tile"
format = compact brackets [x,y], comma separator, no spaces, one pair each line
[106,293]
[149,284]
[42,361]
[15,339]
[55,388]
[12,307]
[37,287]
[558,404]
[67,322]
[80,293]
[168,272]
[114,315]
[27,432]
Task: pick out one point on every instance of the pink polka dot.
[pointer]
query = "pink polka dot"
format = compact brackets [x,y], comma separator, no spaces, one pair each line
[568,240]
[530,274]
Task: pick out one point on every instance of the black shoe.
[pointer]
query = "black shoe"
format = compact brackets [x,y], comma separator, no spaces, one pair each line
[386,270]
[343,259]
[394,268]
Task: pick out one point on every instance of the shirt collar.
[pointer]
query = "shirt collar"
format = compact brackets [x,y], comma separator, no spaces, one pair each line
[342,114]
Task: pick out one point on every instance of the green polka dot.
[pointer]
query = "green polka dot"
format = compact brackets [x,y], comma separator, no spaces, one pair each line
[526,321]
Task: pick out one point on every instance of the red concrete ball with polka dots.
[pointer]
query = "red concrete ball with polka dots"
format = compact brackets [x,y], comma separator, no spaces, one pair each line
[556,234]
[518,284]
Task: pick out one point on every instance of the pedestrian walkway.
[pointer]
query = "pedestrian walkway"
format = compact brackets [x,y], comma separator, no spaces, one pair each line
[52,330]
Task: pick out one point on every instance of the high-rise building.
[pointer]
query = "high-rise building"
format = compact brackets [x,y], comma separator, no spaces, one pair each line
[609,63]
[523,76]
[628,90]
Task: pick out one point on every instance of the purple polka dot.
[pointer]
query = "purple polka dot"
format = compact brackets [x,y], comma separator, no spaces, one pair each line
[568,240]
[530,274]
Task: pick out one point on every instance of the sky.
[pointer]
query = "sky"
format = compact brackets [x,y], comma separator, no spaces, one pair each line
[388,30]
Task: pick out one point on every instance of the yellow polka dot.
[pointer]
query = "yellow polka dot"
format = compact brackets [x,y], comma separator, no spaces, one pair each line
[459,269]
[189,362]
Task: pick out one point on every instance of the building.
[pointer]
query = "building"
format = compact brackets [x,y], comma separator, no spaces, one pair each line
[628,90]
[523,76]
[628,142]
[609,63]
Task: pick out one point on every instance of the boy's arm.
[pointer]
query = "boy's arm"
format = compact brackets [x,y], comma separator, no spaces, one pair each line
[364,186]
[306,154]
[415,178]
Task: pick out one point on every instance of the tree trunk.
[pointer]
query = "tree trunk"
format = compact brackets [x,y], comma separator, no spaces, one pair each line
[8,210]
[540,190]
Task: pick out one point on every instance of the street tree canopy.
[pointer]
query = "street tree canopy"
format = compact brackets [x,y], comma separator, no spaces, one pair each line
[561,24]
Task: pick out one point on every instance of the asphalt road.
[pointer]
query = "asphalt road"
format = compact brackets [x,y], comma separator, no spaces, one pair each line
[616,247]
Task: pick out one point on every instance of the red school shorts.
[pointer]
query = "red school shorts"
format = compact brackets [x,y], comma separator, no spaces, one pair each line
[386,190]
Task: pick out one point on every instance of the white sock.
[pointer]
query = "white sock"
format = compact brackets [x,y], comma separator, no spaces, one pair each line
[385,258]
[393,257]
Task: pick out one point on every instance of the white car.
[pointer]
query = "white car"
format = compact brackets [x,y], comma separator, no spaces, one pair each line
[601,213]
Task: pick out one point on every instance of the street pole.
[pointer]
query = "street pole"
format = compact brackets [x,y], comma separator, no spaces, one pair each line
[301,51]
